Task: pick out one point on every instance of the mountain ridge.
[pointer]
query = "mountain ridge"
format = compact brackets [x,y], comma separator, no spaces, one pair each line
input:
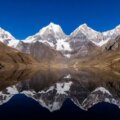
[84,24]
[56,29]
[52,44]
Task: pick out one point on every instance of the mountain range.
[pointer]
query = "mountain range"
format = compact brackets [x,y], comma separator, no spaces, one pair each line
[84,45]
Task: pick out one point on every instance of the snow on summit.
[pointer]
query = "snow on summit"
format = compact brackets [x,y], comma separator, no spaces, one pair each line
[54,29]
[53,36]
[51,26]
[7,38]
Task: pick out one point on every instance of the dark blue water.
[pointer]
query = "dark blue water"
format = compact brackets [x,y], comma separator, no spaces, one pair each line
[21,107]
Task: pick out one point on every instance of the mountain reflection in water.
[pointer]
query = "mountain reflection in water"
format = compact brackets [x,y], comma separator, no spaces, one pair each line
[55,91]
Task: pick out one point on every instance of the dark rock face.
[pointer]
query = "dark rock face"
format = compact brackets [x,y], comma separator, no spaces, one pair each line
[113,44]
[40,51]
[43,52]
[82,47]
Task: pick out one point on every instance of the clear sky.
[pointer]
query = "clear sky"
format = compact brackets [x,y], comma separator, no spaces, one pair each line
[26,17]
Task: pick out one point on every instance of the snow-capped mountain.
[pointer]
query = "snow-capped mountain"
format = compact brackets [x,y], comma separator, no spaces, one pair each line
[48,35]
[7,38]
[50,32]
[112,34]
[51,35]
[87,32]
[84,32]
[81,42]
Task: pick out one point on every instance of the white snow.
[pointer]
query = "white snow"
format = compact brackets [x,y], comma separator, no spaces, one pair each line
[63,45]
[46,42]
[5,34]
[103,90]
[87,31]
[67,55]
[55,29]
[58,34]
[93,35]
[110,33]
[7,38]
[68,76]
[28,40]
[12,90]
[32,40]
[51,26]
[56,106]
[48,90]
[5,97]
[51,107]
[13,43]
[62,88]
[101,43]
[107,100]
[28,93]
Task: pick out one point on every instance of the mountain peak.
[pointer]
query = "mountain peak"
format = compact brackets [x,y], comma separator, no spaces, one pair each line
[84,29]
[83,26]
[7,38]
[52,29]
[52,24]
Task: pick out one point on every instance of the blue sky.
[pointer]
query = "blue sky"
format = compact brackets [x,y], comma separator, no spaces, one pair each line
[26,17]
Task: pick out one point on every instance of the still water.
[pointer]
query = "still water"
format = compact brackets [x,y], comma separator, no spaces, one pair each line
[53,94]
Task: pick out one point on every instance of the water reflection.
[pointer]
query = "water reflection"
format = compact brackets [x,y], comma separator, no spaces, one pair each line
[50,88]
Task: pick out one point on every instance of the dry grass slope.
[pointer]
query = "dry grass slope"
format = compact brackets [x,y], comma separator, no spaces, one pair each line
[10,57]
